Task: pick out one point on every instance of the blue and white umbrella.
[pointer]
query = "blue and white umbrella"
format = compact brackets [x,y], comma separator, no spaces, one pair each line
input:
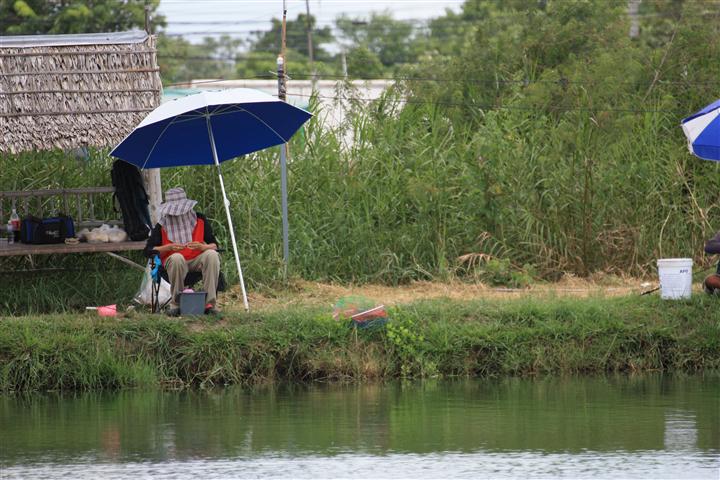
[702,130]
[208,128]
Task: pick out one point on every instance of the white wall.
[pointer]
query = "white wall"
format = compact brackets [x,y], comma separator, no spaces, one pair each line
[299,92]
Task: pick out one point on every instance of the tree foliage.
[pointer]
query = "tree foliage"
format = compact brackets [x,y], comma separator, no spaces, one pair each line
[577,125]
[33,17]
[362,63]
[182,61]
[296,34]
[391,41]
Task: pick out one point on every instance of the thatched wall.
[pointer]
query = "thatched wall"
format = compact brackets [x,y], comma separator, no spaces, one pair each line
[83,90]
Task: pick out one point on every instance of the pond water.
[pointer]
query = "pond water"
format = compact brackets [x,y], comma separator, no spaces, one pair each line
[649,426]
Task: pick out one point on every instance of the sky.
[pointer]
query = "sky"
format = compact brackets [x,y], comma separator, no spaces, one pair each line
[240,17]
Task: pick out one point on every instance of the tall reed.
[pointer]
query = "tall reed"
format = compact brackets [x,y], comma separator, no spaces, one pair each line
[414,197]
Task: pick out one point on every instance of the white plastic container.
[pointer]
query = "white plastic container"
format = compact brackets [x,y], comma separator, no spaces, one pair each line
[675,277]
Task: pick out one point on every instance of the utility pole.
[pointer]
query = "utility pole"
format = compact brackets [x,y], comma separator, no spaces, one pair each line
[311,54]
[284,29]
[282,95]
[147,18]
[633,10]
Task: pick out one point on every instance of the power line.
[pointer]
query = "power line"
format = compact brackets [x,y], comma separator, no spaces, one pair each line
[457,18]
[333,27]
[193,83]
[338,34]
[433,23]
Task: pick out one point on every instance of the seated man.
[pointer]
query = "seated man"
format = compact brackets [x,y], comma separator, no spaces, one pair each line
[185,242]
[712,282]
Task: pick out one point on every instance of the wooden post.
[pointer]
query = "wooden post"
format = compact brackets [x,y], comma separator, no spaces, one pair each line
[147,18]
[151,177]
[633,10]
[311,54]
[284,29]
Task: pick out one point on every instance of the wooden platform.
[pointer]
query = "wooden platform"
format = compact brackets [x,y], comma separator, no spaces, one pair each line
[62,248]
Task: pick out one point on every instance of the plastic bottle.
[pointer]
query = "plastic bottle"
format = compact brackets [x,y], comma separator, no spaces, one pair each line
[15,220]
[10,233]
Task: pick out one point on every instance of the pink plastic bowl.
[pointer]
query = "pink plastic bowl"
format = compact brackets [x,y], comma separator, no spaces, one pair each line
[107,311]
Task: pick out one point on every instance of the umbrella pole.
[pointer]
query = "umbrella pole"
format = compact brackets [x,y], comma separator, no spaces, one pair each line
[226,202]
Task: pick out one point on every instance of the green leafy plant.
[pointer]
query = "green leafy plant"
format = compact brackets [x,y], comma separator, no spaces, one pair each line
[409,346]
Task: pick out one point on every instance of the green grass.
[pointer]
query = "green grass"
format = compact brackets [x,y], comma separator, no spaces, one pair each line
[424,339]
[67,284]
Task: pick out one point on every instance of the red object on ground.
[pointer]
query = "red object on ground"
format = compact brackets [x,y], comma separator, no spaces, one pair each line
[107,310]
[371,314]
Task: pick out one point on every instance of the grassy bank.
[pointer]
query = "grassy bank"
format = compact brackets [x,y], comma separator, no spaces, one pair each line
[424,339]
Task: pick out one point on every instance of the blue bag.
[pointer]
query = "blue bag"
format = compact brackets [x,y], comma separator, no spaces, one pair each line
[46,230]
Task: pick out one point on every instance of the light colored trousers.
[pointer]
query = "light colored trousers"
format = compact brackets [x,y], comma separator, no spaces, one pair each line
[208,262]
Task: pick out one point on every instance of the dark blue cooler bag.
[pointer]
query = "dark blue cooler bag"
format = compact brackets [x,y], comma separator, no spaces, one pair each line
[46,230]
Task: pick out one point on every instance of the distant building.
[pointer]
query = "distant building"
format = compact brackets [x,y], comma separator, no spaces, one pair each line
[332,100]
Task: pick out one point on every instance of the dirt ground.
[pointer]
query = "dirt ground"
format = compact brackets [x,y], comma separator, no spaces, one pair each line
[304,293]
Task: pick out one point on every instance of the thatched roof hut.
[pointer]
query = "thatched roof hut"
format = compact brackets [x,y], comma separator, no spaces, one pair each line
[68,91]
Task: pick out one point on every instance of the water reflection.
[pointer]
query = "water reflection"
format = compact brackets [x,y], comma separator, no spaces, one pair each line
[562,417]
[680,431]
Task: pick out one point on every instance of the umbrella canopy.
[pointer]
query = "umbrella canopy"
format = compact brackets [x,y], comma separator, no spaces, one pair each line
[243,120]
[208,128]
[702,130]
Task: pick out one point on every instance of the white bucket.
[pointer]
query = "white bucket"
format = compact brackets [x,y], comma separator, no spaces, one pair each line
[675,277]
